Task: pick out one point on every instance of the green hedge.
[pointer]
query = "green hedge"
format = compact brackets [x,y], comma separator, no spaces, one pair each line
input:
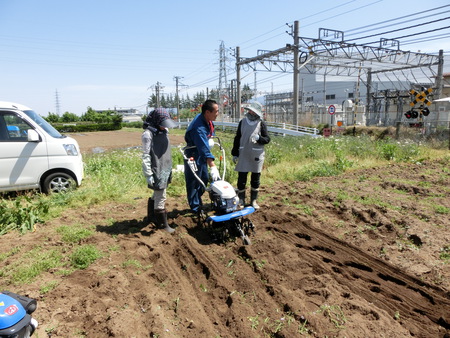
[77,127]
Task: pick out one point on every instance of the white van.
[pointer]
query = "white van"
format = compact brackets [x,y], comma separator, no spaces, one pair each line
[34,155]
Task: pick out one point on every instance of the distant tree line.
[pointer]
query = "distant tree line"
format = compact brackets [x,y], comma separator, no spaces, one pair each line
[186,102]
[189,107]
[107,116]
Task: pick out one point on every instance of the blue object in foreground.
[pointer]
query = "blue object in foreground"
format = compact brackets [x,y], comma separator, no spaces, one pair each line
[11,311]
[240,213]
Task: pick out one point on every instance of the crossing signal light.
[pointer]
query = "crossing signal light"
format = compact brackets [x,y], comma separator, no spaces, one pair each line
[412,114]
[425,111]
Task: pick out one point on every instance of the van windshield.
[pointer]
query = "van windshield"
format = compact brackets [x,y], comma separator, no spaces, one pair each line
[43,124]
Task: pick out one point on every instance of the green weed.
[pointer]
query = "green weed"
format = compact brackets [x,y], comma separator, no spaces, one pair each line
[21,213]
[334,314]
[48,287]
[445,254]
[73,233]
[440,209]
[84,256]
[31,264]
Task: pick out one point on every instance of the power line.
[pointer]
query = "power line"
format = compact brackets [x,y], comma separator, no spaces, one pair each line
[400,29]
[399,18]
[407,21]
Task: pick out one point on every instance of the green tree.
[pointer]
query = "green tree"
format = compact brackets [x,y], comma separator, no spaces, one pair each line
[214,95]
[246,93]
[198,99]
[152,101]
[69,117]
[107,116]
[52,118]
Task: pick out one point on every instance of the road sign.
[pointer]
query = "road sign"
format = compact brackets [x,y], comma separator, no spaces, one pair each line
[331,109]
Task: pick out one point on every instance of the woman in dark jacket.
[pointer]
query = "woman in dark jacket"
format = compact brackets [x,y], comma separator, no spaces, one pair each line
[248,152]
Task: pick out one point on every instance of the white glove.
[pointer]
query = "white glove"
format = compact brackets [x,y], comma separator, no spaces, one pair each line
[235,159]
[211,143]
[214,173]
[151,180]
[254,138]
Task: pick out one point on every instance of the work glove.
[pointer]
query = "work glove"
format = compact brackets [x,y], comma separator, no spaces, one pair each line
[235,159]
[254,138]
[150,180]
[210,143]
[214,173]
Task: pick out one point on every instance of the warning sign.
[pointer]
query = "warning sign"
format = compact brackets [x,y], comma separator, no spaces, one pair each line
[420,97]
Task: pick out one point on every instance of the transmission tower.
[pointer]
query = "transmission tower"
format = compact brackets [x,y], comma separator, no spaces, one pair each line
[57,106]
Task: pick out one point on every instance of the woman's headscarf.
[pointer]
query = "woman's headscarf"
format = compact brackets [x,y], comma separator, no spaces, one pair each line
[158,117]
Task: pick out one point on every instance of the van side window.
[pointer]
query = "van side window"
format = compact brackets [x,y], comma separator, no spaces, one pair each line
[13,128]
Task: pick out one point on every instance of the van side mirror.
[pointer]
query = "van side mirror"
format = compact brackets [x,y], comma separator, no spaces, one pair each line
[33,136]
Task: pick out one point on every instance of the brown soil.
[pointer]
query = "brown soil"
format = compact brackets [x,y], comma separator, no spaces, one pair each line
[349,256]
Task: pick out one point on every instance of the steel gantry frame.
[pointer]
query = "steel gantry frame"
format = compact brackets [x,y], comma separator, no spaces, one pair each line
[335,55]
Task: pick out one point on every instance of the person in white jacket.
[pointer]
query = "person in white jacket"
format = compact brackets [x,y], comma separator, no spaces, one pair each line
[248,151]
[157,164]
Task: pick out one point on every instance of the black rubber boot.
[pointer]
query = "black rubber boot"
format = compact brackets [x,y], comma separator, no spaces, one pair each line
[253,198]
[151,210]
[241,196]
[161,220]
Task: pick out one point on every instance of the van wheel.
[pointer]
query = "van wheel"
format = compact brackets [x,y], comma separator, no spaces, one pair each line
[57,182]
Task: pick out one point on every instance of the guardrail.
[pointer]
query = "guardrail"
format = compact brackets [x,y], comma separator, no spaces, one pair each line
[275,128]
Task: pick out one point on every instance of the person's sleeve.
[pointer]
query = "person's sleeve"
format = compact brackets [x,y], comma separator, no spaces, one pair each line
[264,137]
[237,141]
[200,139]
[146,159]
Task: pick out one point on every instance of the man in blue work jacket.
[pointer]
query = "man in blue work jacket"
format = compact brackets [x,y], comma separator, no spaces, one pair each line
[197,136]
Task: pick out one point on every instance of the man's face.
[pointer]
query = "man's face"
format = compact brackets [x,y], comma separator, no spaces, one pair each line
[211,115]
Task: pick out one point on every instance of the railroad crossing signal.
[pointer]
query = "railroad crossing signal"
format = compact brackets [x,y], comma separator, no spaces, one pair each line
[420,97]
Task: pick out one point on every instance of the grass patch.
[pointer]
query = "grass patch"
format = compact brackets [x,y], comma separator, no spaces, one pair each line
[116,176]
[84,256]
[73,233]
[440,209]
[32,264]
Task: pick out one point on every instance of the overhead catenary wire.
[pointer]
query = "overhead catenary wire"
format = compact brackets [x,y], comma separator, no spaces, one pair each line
[399,18]
[358,37]
[404,28]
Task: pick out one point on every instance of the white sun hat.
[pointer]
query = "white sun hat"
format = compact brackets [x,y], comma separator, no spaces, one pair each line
[255,107]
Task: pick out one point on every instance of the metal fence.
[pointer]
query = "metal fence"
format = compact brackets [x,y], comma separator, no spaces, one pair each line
[275,128]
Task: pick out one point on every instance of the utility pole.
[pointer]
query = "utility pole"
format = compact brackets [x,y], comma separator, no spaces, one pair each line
[439,82]
[296,73]
[177,98]
[158,87]
[356,104]
[238,83]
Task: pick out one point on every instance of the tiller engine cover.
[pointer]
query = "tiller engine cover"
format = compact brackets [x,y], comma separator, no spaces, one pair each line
[223,197]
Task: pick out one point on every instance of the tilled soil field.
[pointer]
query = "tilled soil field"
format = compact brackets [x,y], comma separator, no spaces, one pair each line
[359,255]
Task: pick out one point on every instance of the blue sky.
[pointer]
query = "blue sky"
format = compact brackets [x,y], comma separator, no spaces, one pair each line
[110,53]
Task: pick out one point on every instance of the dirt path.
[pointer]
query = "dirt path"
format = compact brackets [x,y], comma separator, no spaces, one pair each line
[101,141]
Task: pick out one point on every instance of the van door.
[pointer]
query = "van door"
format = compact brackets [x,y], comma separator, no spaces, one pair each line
[21,162]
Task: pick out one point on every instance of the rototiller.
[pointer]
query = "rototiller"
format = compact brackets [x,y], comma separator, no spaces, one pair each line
[228,221]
